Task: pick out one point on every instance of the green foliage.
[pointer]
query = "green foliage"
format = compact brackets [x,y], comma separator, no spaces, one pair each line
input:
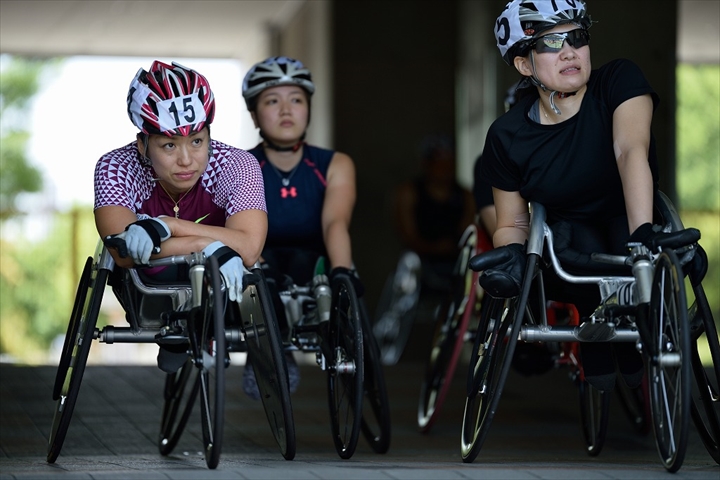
[38,281]
[698,137]
[19,82]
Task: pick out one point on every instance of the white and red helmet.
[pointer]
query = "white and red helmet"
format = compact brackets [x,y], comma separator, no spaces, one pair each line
[523,21]
[170,100]
[272,72]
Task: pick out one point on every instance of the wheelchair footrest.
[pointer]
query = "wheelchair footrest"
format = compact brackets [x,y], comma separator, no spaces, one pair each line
[596,332]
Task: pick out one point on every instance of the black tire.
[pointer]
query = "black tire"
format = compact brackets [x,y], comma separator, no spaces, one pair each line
[669,371]
[487,372]
[594,415]
[265,351]
[76,348]
[212,359]
[343,350]
[375,423]
[705,410]
[447,345]
[452,320]
[397,308]
[181,390]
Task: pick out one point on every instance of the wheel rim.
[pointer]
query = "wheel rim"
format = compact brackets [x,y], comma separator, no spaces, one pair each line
[594,414]
[77,351]
[669,371]
[267,358]
[181,390]
[489,364]
[345,368]
[212,360]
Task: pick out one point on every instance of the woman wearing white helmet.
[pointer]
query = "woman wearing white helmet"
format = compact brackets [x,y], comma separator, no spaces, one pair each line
[174,190]
[578,141]
[310,191]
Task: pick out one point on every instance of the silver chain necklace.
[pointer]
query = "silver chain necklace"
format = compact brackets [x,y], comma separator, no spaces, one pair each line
[285,180]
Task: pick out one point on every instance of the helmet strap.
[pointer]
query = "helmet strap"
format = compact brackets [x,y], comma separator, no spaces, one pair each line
[536,81]
[278,148]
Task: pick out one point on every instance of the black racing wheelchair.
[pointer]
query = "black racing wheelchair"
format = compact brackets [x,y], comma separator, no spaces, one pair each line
[643,301]
[328,319]
[193,315]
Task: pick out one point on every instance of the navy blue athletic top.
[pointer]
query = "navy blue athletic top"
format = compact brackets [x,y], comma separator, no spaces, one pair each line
[295,199]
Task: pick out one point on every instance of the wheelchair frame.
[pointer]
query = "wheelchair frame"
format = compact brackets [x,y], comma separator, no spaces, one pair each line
[345,348]
[201,318]
[657,320]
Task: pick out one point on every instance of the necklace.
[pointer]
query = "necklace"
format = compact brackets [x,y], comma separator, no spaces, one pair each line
[285,180]
[176,208]
[543,110]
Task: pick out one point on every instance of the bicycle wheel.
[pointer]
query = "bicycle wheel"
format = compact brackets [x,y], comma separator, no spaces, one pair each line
[669,369]
[452,322]
[594,415]
[181,389]
[397,307]
[375,423]
[262,338]
[76,348]
[705,408]
[343,348]
[211,358]
[489,366]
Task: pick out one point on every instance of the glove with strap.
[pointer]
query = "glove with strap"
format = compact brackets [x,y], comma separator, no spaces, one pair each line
[142,239]
[646,234]
[231,268]
[357,284]
[505,280]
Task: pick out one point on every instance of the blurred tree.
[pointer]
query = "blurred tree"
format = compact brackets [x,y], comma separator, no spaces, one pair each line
[698,137]
[19,82]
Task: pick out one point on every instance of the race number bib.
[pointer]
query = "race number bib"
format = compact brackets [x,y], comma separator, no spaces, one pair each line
[180,112]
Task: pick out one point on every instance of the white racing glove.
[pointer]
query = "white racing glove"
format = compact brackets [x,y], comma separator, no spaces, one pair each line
[143,238]
[231,268]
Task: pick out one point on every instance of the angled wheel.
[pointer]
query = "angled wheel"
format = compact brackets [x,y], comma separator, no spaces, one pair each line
[262,338]
[452,322]
[343,349]
[489,366]
[181,390]
[594,415]
[211,358]
[76,349]
[705,408]
[669,369]
[397,307]
[375,423]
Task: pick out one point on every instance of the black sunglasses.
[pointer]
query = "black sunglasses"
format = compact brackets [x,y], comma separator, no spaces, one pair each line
[553,43]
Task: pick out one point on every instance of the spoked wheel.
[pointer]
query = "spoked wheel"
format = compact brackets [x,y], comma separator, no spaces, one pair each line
[375,423]
[211,358]
[262,338]
[181,389]
[594,415]
[452,322]
[447,344]
[705,408]
[489,366]
[76,349]
[343,350]
[397,307]
[669,369]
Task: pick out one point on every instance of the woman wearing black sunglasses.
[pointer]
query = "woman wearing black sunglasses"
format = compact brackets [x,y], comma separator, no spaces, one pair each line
[578,141]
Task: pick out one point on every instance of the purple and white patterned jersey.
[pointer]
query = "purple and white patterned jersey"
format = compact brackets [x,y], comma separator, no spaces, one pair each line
[232,182]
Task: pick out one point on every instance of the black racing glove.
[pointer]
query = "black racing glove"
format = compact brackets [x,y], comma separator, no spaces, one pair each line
[505,280]
[646,234]
[357,284]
